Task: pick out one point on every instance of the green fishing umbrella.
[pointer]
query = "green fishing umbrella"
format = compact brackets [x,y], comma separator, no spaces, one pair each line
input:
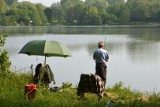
[45,48]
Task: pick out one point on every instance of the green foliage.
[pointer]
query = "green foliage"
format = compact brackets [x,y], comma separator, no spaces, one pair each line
[124,93]
[4,64]
[3,7]
[4,59]
[99,4]
[113,2]
[56,10]
[48,14]
[10,2]
[40,9]
[78,12]
[124,17]
[2,39]
[66,85]
[32,12]
[12,95]
[140,13]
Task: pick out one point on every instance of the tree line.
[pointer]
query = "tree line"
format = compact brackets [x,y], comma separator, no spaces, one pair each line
[78,12]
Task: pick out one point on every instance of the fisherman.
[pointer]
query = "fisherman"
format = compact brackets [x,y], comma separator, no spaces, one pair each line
[101,58]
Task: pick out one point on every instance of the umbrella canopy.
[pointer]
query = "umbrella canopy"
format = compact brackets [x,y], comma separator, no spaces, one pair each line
[45,48]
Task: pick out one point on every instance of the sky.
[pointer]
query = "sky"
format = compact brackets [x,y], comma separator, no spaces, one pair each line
[44,2]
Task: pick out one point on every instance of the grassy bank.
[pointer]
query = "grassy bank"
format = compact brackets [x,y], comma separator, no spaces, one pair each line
[12,95]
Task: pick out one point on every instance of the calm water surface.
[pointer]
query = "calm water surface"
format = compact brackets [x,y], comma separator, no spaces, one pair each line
[134,53]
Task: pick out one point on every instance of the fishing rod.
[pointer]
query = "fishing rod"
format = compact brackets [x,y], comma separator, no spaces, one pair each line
[105,34]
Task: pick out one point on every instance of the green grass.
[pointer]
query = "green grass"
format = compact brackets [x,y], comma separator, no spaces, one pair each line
[12,95]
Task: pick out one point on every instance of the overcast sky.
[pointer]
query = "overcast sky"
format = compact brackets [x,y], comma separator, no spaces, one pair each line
[44,2]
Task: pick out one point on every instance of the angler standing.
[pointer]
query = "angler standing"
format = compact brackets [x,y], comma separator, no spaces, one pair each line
[101,58]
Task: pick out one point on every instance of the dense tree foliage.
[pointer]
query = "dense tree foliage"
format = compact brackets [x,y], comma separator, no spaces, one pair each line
[78,12]
[43,17]
[10,2]
[3,6]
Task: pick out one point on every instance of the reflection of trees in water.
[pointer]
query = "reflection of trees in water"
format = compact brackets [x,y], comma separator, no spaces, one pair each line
[142,32]
[53,30]
[146,34]
[143,51]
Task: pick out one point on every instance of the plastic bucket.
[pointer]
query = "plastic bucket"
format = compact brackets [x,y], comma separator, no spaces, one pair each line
[30,91]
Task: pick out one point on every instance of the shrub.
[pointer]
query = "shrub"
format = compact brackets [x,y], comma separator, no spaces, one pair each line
[4,59]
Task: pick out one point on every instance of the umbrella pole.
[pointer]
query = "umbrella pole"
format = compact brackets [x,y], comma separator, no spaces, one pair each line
[45,61]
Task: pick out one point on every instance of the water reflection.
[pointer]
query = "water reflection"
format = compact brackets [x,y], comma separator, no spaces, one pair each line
[143,32]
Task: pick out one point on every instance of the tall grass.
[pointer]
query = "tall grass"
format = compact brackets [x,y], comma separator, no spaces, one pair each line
[12,95]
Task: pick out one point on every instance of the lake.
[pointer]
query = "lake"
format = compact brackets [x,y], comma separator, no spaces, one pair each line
[134,53]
